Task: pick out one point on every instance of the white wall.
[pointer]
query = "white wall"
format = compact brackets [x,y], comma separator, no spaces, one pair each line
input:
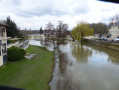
[1,60]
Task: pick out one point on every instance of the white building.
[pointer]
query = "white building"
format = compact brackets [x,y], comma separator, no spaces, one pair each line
[3,44]
[114,30]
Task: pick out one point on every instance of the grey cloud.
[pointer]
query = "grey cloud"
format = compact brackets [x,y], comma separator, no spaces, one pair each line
[16,2]
[27,9]
[81,10]
[40,12]
[49,9]
[23,14]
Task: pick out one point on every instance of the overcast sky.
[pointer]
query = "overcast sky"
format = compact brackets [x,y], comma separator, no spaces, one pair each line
[36,13]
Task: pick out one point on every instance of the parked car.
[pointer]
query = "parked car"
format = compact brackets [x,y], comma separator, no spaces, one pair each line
[116,39]
[103,38]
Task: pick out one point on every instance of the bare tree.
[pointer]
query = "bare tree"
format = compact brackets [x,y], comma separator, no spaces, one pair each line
[61,29]
[56,35]
[61,32]
[50,34]
[114,20]
[49,29]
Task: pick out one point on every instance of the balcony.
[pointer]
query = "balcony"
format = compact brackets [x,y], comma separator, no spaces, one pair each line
[3,38]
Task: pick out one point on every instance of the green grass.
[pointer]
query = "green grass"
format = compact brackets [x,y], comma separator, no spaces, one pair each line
[31,74]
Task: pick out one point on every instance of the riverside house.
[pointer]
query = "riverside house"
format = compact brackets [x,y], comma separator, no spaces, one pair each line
[3,44]
[114,30]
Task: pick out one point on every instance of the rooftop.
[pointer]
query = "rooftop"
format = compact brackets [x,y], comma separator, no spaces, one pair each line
[3,24]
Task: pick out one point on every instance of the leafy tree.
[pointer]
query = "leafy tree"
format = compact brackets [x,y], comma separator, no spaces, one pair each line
[99,28]
[12,29]
[81,30]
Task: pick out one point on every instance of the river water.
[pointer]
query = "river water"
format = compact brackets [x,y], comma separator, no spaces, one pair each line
[85,67]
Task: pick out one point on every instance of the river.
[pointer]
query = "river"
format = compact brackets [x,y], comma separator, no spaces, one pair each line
[85,67]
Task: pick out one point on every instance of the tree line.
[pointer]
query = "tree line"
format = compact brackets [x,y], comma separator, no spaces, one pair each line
[84,29]
[61,30]
[13,30]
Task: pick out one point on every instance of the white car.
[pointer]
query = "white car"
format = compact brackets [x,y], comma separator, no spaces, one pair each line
[116,39]
[103,38]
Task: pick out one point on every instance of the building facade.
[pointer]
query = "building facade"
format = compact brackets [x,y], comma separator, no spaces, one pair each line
[3,44]
[114,31]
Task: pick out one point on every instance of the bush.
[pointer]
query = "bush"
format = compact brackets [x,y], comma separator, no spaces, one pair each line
[10,41]
[15,54]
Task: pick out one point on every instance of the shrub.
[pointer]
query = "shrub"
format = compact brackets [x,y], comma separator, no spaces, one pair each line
[15,54]
[8,41]
[12,41]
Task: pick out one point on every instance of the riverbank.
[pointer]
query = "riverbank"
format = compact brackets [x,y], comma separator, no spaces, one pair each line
[33,74]
[108,45]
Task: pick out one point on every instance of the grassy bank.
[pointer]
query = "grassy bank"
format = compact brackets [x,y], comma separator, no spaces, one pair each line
[31,74]
[108,45]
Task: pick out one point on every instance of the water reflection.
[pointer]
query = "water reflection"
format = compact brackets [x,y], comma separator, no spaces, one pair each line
[81,53]
[113,60]
[86,67]
[112,55]
[94,67]
[65,80]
